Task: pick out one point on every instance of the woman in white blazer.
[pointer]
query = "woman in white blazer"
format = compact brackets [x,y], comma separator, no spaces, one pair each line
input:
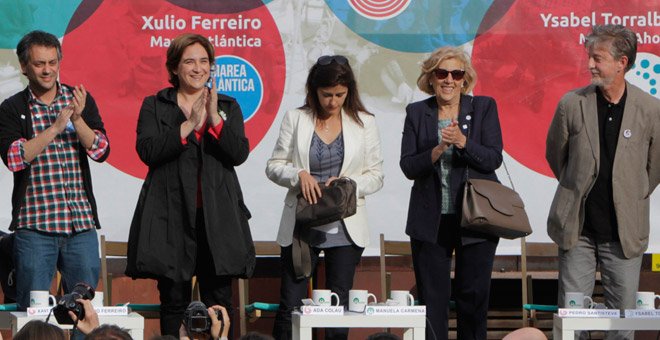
[331,136]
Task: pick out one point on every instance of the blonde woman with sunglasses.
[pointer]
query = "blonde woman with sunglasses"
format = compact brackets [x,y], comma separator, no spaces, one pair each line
[443,136]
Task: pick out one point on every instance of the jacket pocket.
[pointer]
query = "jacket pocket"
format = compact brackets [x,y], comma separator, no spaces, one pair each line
[643,219]
[561,207]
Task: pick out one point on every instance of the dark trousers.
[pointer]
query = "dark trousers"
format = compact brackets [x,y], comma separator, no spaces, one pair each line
[340,264]
[473,267]
[176,295]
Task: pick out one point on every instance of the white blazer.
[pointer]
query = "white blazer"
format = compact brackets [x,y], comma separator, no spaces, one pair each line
[363,163]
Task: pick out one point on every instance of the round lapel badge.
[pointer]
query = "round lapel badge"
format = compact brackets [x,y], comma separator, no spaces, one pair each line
[627,133]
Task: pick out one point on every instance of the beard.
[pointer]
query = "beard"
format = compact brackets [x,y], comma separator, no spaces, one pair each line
[600,81]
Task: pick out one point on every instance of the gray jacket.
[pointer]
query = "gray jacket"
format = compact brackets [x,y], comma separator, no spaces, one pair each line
[573,153]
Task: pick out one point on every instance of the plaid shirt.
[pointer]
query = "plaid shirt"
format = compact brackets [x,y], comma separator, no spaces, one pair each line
[55,199]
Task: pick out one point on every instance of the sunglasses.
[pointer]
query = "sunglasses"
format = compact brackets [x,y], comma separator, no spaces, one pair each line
[327,59]
[455,74]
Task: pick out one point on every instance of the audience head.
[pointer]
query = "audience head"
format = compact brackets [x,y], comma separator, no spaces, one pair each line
[256,336]
[383,336]
[108,332]
[525,333]
[39,330]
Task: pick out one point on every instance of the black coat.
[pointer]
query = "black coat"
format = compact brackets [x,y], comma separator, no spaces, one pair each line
[482,152]
[162,240]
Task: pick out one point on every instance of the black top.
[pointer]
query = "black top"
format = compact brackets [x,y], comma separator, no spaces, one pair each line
[600,217]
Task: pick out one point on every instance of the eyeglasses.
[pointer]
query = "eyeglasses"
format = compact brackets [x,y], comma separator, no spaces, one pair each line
[327,59]
[455,74]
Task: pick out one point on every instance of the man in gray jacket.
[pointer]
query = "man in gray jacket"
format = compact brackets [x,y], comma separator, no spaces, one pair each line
[603,148]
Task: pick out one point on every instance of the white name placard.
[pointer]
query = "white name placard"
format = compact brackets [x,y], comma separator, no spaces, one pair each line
[642,313]
[588,313]
[395,310]
[322,310]
[109,310]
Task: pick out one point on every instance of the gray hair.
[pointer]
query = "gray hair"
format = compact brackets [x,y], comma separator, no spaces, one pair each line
[624,41]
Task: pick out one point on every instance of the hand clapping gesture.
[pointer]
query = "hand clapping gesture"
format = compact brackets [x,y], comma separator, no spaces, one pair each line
[199,113]
[78,104]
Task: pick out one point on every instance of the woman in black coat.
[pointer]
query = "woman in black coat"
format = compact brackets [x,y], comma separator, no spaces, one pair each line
[443,136]
[190,217]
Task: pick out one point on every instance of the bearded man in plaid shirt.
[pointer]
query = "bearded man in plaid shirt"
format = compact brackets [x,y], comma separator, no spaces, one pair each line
[47,132]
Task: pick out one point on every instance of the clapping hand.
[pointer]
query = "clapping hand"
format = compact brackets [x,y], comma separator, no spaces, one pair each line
[198,113]
[452,135]
[63,118]
[78,104]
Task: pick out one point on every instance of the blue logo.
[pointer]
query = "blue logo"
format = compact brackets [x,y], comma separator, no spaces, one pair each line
[238,78]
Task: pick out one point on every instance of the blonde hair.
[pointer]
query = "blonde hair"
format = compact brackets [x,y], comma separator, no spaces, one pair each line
[436,58]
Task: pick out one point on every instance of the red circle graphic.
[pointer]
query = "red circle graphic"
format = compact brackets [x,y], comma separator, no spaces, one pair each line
[527,67]
[118,53]
[379,9]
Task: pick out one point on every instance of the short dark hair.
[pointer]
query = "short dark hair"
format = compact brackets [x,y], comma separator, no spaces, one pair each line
[175,52]
[108,332]
[37,330]
[624,41]
[38,38]
[335,71]
[256,336]
[383,336]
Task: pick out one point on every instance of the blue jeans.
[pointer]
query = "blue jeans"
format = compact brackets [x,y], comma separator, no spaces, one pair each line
[37,255]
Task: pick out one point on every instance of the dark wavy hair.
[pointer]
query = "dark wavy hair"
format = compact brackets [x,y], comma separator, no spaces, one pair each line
[38,330]
[108,332]
[175,52]
[36,38]
[329,75]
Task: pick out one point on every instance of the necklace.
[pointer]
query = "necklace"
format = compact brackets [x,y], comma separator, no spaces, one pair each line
[324,125]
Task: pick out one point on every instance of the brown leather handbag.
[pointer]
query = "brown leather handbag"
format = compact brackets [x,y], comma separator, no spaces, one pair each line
[494,209]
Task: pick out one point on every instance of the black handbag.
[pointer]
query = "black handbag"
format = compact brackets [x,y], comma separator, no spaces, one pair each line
[337,201]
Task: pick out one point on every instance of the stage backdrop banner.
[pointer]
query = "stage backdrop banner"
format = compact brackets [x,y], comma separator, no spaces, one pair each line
[527,55]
